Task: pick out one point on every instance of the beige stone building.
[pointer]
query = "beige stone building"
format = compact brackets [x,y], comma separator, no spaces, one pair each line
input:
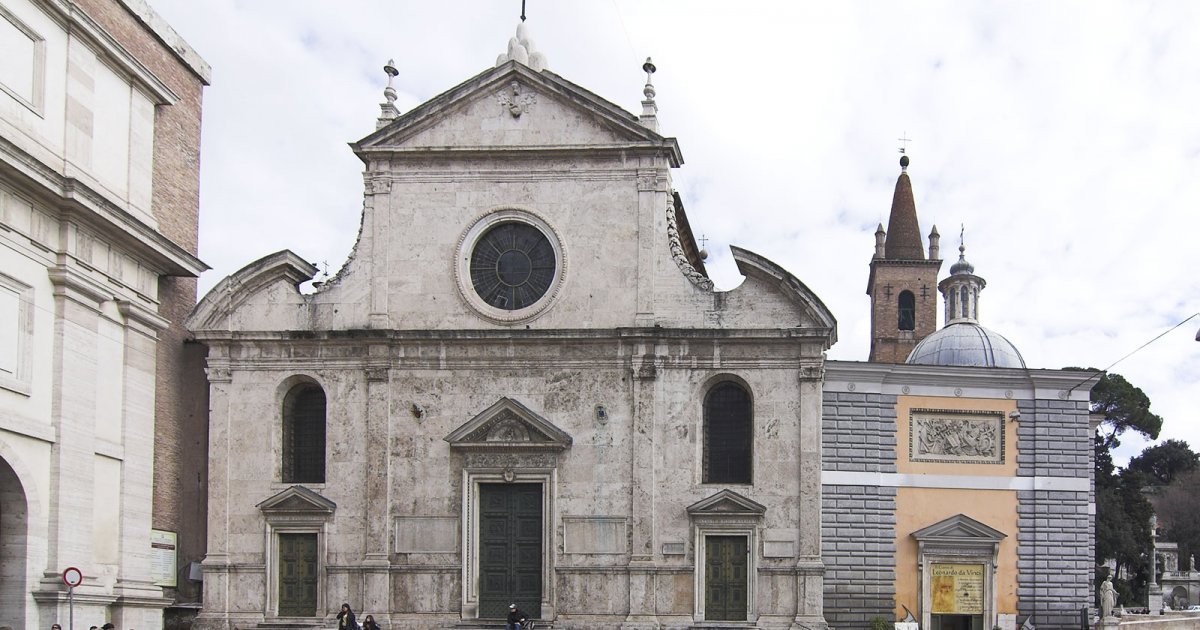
[522,387]
[99,147]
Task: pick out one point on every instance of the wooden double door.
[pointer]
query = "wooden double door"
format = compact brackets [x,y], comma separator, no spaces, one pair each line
[510,548]
[726,578]
[298,575]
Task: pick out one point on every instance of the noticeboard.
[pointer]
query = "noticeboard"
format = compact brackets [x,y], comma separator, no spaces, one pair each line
[162,558]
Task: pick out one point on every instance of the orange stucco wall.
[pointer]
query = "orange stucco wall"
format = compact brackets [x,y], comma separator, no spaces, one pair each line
[920,507]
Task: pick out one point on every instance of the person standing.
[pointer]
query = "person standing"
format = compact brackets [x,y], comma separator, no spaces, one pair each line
[346,619]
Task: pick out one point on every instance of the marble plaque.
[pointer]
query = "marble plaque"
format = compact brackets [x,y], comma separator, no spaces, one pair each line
[594,534]
[426,534]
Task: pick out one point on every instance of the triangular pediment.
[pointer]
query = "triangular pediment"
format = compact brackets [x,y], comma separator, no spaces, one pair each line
[297,500]
[508,424]
[959,529]
[512,106]
[726,503]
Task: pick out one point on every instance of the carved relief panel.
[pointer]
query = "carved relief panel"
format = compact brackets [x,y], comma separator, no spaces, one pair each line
[956,436]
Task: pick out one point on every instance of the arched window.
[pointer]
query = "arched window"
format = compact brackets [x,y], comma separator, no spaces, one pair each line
[304,434]
[908,311]
[728,434]
[966,302]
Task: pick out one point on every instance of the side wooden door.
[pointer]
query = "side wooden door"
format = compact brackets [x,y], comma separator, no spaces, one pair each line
[725,578]
[297,575]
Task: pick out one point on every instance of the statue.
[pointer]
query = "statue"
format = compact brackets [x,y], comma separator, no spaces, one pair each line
[1108,598]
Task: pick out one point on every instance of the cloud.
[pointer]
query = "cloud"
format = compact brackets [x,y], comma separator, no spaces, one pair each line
[1063,136]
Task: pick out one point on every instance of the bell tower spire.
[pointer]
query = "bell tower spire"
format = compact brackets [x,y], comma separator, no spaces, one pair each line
[903,282]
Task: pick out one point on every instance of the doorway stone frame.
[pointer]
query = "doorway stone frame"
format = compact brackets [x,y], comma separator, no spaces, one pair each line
[296,510]
[959,539]
[507,443]
[725,513]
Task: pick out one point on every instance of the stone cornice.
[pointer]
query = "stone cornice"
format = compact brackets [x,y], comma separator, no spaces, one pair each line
[1021,383]
[632,334]
[74,199]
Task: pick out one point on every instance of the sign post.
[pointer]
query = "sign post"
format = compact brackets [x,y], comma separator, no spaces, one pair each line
[72,577]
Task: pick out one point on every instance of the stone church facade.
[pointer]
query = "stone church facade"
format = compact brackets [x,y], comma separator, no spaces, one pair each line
[522,387]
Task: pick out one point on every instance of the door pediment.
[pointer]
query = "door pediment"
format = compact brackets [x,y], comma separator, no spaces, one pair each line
[726,503]
[297,504]
[959,529]
[508,425]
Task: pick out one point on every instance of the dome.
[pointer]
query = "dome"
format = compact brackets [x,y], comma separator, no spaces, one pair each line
[966,344]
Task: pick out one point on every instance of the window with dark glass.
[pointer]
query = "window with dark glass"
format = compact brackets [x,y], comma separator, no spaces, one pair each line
[304,435]
[512,266]
[728,434]
[908,311]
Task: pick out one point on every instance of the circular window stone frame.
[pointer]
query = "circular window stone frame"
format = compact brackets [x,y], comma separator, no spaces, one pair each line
[462,264]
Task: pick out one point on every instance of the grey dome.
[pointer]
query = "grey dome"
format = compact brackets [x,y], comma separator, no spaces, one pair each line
[966,344]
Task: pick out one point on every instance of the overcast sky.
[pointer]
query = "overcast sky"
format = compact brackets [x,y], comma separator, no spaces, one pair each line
[1064,136]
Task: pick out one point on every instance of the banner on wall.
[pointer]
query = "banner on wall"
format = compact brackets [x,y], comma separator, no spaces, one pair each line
[957,589]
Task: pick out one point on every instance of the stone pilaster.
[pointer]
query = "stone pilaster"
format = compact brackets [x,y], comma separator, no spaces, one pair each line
[810,569]
[376,585]
[644,371]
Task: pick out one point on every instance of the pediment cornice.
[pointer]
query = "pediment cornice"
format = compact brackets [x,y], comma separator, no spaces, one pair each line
[508,425]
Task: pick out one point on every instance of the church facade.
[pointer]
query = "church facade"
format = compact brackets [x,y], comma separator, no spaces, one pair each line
[490,404]
[957,483]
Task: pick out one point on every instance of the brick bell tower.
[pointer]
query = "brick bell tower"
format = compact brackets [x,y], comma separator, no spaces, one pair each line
[903,282]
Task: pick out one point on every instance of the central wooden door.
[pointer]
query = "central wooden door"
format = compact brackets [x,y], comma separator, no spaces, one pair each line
[510,548]
[297,575]
[725,578]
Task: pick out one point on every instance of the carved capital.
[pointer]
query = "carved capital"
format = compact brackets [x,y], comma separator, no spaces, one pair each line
[219,374]
[378,186]
[377,374]
[812,372]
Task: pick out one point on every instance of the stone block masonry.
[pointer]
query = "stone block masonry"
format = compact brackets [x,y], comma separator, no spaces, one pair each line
[859,432]
[858,533]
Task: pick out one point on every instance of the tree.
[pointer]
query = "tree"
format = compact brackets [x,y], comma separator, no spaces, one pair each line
[1122,511]
[1125,408]
[1178,507]
[1162,463]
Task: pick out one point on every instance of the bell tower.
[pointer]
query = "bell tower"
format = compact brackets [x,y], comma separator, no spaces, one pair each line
[903,281]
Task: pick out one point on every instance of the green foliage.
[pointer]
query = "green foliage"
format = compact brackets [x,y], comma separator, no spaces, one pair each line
[881,623]
[1162,463]
[1178,508]
[1122,511]
[1125,408]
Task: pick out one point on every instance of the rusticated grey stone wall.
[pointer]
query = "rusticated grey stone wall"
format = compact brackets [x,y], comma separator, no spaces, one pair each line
[858,523]
[1055,547]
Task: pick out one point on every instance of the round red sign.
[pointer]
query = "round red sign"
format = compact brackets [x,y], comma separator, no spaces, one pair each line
[72,577]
